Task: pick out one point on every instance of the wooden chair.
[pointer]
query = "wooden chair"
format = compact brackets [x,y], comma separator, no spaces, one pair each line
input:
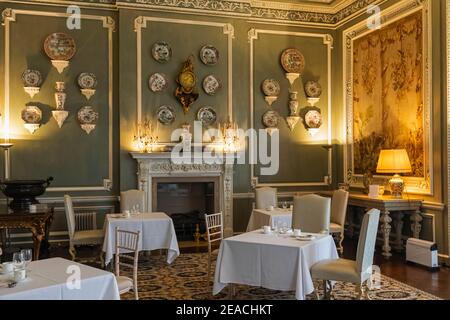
[338,213]
[214,233]
[82,228]
[126,242]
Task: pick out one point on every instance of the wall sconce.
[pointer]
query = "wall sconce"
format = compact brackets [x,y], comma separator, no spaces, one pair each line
[228,136]
[145,139]
[6,145]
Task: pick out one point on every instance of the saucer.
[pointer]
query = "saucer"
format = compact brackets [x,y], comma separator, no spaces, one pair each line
[305,237]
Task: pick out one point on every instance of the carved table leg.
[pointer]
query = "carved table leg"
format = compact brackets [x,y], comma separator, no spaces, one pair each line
[38,232]
[399,231]
[416,226]
[386,228]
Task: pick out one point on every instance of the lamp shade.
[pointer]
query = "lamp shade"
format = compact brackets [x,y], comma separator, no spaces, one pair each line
[394,161]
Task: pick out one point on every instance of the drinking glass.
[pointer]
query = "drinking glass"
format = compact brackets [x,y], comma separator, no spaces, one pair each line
[284,205]
[137,209]
[18,260]
[27,256]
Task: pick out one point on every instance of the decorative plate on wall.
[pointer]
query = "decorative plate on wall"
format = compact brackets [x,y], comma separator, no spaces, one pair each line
[270,119]
[313,119]
[211,85]
[166,114]
[209,55]
[293,61]
[271,88]
[207,115]
[31,114]
[59,46]
[87,115]
[313,89]
[31,78]
[158,82]
[87,80]
[161,51]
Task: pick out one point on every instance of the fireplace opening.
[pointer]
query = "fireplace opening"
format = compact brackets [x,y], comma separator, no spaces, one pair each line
[186,203]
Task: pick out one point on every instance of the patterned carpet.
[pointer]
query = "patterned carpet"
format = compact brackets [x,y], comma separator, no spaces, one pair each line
[185,279]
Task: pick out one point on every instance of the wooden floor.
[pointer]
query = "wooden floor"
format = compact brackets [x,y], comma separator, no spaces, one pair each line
[437,283]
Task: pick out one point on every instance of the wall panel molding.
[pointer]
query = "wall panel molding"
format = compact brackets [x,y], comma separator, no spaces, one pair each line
[253,35]
[8,17]
[226,28]
[414,185]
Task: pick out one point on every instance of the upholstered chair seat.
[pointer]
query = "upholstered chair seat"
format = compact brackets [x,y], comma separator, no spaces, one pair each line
[358,272]
[125,284]
[90,237]
[335,228]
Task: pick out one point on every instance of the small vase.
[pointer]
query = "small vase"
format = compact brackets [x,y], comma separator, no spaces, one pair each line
[60,95]
[293,106]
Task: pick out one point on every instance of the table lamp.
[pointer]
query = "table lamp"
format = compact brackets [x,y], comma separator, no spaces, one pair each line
[394,161]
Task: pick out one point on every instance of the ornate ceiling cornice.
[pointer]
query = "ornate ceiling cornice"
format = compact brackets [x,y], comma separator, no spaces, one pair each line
[301,13]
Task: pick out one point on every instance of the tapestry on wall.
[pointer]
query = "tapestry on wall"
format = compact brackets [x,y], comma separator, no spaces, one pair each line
[388,97]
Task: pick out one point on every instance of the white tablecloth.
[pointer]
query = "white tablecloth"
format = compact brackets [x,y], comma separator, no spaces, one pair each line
[47,280]
[261,218]
[157,232]
[271,261]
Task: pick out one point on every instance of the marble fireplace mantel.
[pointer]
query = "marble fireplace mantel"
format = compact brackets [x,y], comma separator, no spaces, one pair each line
[160,164]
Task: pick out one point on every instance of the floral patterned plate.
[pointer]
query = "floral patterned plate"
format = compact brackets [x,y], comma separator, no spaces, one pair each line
[211,85]
[270,119]
[209,55]
[161,51]
[59,46]
[158,82]
[313,89]
[207,115]
[31,114]
[31,78]
[87,115]
[87,80]
[293,61]
[166,114]
[313,119]
[271,88]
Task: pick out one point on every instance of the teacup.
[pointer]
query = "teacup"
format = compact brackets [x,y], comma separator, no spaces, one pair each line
[127,213]
[6,267]
[297,232]
[267,229]
[20,275]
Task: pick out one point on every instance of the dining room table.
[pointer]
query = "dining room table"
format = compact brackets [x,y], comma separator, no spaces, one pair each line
[276,218]
[60,279]
[156,232]
[273,261]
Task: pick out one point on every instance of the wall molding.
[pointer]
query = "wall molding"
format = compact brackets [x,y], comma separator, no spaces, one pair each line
[253,34]
[8,17]
[414,185]
[304,14]
[141,23]
[447,15]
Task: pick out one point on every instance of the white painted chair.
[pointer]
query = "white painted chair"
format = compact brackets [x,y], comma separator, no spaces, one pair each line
[126,242]
[82,228]
[214,233]
[311,214]
[358,272]
[338,212]
[265,197]
[132,198]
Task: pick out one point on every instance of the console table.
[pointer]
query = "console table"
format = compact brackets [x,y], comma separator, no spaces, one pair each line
[38,223]
[386,205]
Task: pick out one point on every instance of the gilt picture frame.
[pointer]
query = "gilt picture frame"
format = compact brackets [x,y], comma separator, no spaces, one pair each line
[388,102]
